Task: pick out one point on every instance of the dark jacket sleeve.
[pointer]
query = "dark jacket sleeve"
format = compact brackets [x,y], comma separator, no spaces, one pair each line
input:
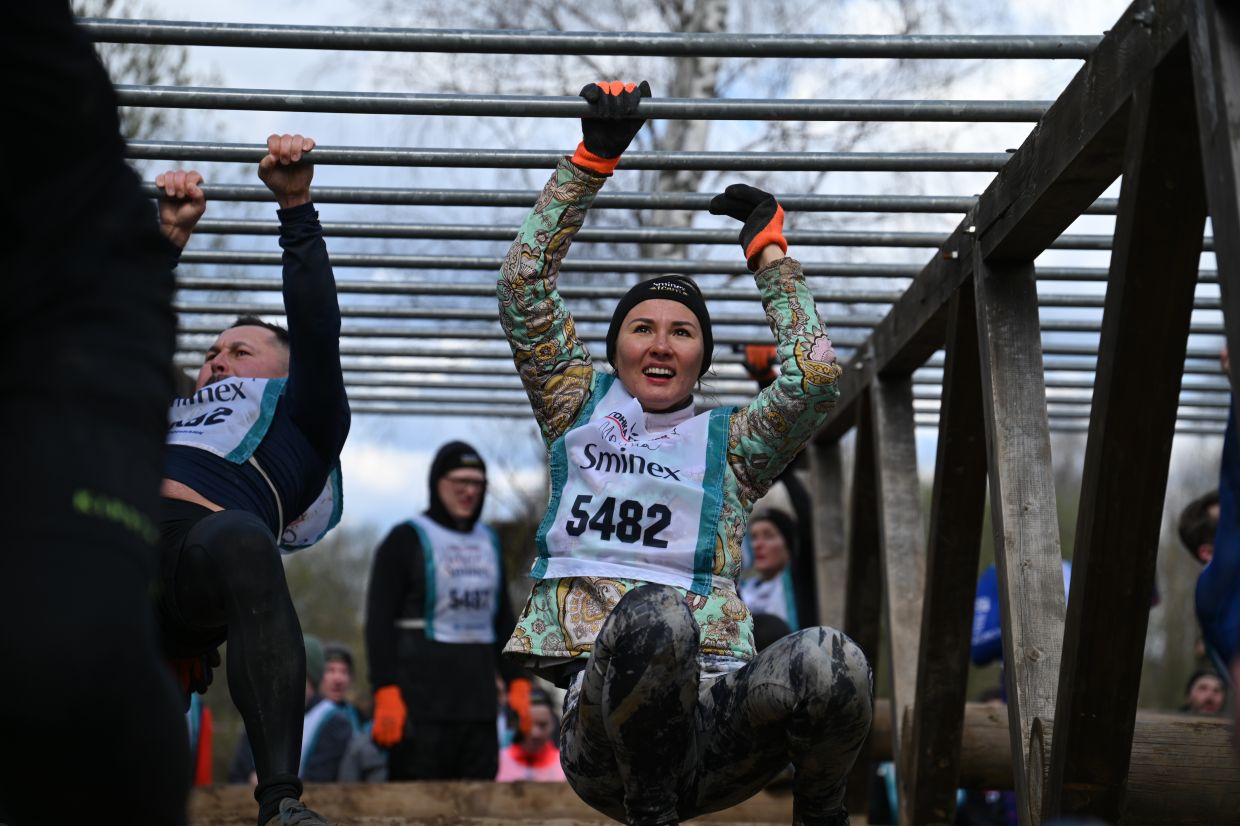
[805,590]
[392,574]
[505,621]
[315,395]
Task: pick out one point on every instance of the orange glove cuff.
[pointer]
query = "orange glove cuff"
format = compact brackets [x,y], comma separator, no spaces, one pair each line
[772,233]
[585,158]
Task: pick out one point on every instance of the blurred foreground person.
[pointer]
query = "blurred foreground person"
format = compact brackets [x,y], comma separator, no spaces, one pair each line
[88,336]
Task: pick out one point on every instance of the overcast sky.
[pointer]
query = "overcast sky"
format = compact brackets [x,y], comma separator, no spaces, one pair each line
[386,459]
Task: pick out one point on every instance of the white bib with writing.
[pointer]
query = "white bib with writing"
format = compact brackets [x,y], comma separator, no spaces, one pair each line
[229,418]
[462,581]
[630,504]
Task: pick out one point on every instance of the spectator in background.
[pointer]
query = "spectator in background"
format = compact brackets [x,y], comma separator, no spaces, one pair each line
[327,727]
[768,586]
[437,616]
[337,683]
[533,756]
[1206,693]
[1210,530]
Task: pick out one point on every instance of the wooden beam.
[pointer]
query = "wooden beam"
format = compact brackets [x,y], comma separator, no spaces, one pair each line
[1074,150]
[830,551]
[1149,306]
[956,512]
[902,542]
[1022,505]
[1215,45]
[864,593]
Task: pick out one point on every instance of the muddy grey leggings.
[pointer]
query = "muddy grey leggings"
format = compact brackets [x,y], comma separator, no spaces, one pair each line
[645,740]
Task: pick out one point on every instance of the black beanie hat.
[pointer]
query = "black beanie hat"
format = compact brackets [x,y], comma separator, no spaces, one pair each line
[450,457]
[784,524]
[671,288]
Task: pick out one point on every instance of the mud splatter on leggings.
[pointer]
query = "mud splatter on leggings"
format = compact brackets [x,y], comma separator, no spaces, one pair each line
[645,740]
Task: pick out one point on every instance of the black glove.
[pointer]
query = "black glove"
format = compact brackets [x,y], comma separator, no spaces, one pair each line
[762,214]
[605,135]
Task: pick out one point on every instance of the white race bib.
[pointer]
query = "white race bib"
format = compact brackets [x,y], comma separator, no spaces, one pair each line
[631,504]
[462,581]
[229,418]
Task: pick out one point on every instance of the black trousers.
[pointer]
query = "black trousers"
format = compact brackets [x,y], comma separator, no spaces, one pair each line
[221,578]
[446,751]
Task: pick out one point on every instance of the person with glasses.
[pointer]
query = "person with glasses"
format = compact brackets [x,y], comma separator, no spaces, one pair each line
[437,616]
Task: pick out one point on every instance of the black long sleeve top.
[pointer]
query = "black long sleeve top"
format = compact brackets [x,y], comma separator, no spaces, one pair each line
[312,418]
[439,682]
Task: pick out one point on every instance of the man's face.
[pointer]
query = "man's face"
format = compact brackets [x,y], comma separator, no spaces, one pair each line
[460,491]
[247,352]
[336,682]
[1206,695]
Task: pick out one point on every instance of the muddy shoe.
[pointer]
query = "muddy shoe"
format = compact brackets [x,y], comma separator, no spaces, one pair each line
[294,813]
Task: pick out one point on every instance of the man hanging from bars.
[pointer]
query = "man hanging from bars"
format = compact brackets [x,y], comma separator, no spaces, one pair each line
[252,468]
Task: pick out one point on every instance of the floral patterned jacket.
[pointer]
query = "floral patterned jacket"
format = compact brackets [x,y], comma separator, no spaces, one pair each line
[563,616]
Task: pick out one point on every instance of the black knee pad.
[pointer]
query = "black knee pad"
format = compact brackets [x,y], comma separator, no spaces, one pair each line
[238,549]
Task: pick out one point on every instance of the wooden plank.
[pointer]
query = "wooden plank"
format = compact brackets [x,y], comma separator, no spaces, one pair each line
[1215,45]
[1075,150]
[902,547]
[1022,504]
[830,551]
[956,512]
[1149,306]
[864,593]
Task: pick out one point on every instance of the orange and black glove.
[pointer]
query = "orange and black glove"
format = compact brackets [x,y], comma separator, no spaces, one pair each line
[760,360]
[519,702]
[389,723]
[762,214]
[607,133]
[194,673]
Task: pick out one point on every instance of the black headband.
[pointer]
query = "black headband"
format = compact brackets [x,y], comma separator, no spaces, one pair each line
[670,288]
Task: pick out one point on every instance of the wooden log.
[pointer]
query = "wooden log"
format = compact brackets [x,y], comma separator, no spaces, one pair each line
[1022,503]
[830,550]
[442,802]
[1149,306]
[956,512]
[902,534]
[1214,38]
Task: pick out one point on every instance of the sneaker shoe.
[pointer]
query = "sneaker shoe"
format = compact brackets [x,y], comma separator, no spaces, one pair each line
[294,813]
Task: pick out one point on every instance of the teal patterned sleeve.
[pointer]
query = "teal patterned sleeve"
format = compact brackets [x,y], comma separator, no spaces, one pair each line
[768,433]
[552,361]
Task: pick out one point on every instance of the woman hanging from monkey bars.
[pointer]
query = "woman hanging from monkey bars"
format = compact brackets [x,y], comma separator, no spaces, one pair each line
[634,611]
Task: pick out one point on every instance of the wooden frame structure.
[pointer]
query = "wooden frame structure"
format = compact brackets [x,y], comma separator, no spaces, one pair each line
[1158,102]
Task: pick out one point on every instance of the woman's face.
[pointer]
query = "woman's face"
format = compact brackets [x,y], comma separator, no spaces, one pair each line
[659,353]
[541,726]
[770,552]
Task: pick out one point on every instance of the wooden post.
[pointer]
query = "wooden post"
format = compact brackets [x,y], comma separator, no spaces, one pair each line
[1022,505]
[1214,37]
[902,536]
[830,552]
[956,513]
[1149,305]
[864,592]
